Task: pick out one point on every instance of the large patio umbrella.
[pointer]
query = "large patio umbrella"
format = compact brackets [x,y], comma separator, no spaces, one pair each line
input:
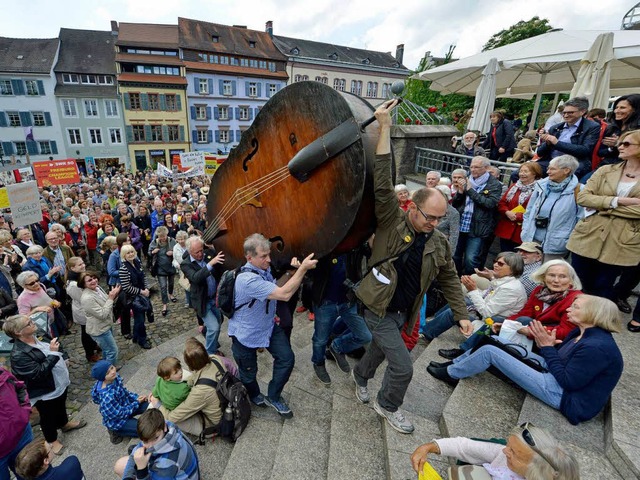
[547,63]
[485,98]
[595,72]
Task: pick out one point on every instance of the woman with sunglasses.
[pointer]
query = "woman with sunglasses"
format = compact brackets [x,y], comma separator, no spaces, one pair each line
[530,453]
[608,239]
[578,374]
[34,299]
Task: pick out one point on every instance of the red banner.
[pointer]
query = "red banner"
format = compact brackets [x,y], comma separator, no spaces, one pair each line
[58,172]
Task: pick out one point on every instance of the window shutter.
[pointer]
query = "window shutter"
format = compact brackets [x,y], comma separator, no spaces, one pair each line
[54,147]
[208,109]
[237,109]
[221,86]
[209,136]
[3,120]
[217,136]
[25,119]
[127,101]
[230,135]
[233,88]
[147,133]
[268,90]
[47,119]
[32,148]
[7,148]
[129,132]
[246,89]
[196,85]
[194,136]
[210,84]
[250,114]
[238,135]
[178,102]
[277,88]
[165,133]
[163,102]
[216,113]
[260,89]
[17,86]
[144,101]
[193,113]
[40,87]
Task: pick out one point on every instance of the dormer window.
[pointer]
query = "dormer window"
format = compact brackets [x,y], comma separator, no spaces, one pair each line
[366,61]
[396,65]
[215,38]
[295,51]
[333,56]
[252,44]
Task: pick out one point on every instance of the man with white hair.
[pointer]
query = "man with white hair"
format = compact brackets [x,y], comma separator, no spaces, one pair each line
[433,177]
[469,146]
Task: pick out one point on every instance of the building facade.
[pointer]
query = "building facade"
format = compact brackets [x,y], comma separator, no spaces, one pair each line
[29,127]
[88,104]
[231,73]
[152,85]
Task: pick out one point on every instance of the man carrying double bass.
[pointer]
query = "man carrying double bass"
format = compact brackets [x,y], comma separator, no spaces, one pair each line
[408,253]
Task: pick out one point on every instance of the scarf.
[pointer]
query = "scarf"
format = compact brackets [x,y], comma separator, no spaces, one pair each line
[525,191]
[477,184]
[547,296]
[559,187]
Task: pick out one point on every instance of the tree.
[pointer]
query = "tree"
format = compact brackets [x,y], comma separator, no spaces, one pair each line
[520,31]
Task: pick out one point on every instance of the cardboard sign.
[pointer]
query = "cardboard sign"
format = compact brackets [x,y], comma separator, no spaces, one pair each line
[4,198]
[59,172]
[192,159]
[25,203]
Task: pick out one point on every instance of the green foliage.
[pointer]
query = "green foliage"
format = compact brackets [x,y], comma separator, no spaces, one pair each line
[520,31]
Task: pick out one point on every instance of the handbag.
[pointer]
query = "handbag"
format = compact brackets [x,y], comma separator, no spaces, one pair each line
[154,266]
[183,281]
[509,331]
[141,303]
[515,350]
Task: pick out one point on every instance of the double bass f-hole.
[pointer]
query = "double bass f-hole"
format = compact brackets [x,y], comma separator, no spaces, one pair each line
[292,139]
[254,144]
[277,242]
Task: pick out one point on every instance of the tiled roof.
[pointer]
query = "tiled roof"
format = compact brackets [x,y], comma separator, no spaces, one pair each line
[27,55]
[86,51]
[150,78]
[197,35]
[234,70]
[148,35]
[154,59]
[86,91]
[329,52]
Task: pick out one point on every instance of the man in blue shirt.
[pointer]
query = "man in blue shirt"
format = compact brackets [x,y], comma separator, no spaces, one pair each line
[253,325]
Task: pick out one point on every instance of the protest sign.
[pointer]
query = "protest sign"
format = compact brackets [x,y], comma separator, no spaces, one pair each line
[25,203]
[192,159]
[59,172]
[4,198]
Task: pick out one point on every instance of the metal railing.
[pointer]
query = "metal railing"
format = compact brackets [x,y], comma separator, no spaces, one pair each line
[428,159]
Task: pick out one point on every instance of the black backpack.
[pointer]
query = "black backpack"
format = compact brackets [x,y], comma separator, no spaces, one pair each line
[225,295]
[233,395]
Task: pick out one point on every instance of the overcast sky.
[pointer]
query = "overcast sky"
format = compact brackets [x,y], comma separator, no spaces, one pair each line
[422,25]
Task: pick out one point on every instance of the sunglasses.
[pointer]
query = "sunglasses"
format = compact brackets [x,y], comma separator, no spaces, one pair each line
[528,437]
[626,144]
[31,284]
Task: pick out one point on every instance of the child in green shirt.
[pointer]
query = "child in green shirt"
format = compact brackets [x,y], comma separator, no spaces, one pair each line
[170,389]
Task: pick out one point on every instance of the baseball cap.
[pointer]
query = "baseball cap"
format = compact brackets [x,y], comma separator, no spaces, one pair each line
[531,247]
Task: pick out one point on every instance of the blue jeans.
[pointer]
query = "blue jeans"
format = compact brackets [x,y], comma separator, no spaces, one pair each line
[9,462]
[474,339]
[443,321]
[543,386]
[130,427]
[326,315]
[212,321]
[166,287]
[283,361]
[468,255]
[108,345]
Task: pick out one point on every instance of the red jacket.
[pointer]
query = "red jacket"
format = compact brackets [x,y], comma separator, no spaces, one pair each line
[14,411]
[555,315]
[92,235]
[506,228]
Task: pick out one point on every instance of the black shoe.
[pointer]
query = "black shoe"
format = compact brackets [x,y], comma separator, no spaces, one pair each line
[115,438]
[341,360]
[442,374]
[151,319]
[623,305]
[358,353]
[174,300]
[128,336]
[440,364]
[633,328]
[146,345]
[164,313]
[451,353]
[322,374]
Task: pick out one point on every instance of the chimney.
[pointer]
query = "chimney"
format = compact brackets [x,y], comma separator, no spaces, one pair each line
[400,53]
[114,28]
[269,28]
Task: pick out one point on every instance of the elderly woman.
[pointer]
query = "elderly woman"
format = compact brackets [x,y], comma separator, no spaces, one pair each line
[48,275]
[178,251]
[34,299]
[162,248]
[107,230]
[513,205]
[402,193]
[98,309]
[11,259]
[41,365]
[134,284]
[552,211]
[531,453]
[608,238]
[75,267]
[578,375]
[172,228]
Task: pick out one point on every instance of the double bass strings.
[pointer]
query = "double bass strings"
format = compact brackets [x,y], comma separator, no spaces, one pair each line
[244,194]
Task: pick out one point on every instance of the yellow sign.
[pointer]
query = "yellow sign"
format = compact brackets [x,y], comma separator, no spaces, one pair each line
[210,166]
[4,198]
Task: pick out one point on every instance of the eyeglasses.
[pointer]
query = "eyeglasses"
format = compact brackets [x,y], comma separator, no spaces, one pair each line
[28,324]
[627,144]
[31,284]
[570,112]
[429,218]
[528,437]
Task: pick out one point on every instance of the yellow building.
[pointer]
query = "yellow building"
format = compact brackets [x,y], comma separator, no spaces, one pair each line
[152,84]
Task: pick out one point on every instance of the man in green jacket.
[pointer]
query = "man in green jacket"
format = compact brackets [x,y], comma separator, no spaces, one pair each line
[408,253]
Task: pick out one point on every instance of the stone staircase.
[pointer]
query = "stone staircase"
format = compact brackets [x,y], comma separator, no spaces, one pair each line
[332,436]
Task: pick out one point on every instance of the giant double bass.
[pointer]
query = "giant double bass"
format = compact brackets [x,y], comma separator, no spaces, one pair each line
[302,175]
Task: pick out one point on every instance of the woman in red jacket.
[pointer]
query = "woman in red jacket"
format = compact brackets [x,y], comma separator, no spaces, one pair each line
[91,230]
[517,197]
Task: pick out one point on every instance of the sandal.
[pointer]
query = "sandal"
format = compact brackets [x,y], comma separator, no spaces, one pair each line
[59,451]
[79,425]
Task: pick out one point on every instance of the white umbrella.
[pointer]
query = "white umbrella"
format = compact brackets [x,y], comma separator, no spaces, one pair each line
[595,72]
[485,98]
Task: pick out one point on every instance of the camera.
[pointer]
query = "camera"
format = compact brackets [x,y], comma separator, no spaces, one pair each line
[541,222]
[351,288]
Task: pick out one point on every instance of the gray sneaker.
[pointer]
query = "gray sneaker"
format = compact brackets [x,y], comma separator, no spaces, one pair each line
[340,359]
[322,374]
[395,419]
[362,393]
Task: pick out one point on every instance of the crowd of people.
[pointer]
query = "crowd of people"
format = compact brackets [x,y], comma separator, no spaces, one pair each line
[90,259]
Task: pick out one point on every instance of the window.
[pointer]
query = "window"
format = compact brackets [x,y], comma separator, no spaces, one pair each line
[273,88]
[224,60]
[88,79]
[372,89]
[201,112]
[252,44]
[156,133]
[215,38]
[213,58]
[253,89]
[227,87]
[5,87]
[105,79]
[244,62]
[339,84]
[272,66]
[172,102]
[74,136]
[224,136]
[38,119]
[262,64]
[134,99]
[69,108]
[356,87]
[386,89]
[14,119]
[115,136]
[45,148]
[91,108]
[253,63]
[203,86]
[21,148]
[70,78]
[32,87]
[244,113]
[301,78]
[173,133]
[138,133]
[324,80]
[157,70]
[234,61]
[111,108]
[95,136]
[202,136]
[223,112]
[154,101]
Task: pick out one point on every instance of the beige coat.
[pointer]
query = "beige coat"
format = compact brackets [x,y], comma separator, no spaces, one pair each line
[611,235]
[98,308]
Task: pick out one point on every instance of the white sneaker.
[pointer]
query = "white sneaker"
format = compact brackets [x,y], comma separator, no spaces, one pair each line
[362,393]
[395,419]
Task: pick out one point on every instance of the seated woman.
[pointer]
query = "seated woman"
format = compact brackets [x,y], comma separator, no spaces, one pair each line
[579,374]
[34,463]
[531,452]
